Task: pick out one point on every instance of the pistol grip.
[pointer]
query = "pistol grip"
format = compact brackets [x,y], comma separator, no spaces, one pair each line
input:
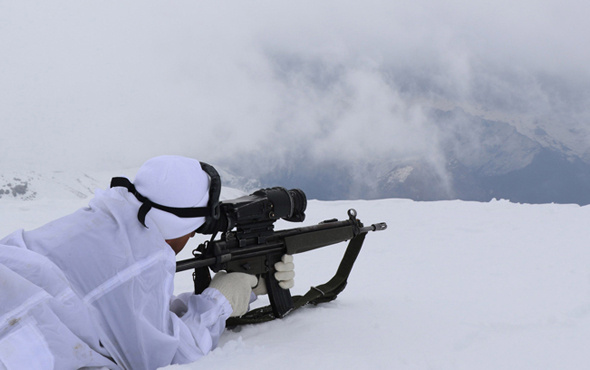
[280,299]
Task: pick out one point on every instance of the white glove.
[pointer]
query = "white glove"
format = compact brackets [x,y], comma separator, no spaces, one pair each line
[236,287]
[285,275]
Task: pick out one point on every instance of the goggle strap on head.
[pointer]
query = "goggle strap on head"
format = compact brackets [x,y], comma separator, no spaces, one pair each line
[147,204]
[214,189]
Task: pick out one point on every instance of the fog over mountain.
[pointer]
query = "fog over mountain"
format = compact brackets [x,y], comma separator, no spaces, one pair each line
[417,99]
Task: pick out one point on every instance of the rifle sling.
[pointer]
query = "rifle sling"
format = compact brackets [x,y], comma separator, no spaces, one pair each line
[323,293]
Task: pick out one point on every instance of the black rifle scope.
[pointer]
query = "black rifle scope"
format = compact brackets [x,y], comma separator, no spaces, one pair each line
[259,210]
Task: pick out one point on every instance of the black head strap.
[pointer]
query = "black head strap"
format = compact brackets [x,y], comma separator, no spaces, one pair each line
[148,204]
[214,189]
[214,204]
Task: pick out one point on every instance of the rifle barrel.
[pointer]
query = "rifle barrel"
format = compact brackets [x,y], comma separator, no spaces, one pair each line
[374,227]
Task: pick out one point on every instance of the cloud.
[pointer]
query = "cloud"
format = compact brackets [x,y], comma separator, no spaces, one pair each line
[108,84]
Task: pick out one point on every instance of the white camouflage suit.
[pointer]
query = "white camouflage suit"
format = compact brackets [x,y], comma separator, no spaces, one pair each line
[95,288]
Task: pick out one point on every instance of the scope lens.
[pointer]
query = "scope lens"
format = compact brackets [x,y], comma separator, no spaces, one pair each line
[299,204]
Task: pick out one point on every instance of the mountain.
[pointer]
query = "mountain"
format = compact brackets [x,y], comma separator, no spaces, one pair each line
[477,156]
[477,159]
[56,186]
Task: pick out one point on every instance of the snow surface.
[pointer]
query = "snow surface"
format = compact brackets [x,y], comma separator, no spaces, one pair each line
[449,285]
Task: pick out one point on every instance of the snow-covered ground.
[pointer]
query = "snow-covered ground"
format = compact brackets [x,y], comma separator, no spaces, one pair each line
[449,285]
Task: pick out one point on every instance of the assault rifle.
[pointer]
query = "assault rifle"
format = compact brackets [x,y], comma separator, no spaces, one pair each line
[254,247]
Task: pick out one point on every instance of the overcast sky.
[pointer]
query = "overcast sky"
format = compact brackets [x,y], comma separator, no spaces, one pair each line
[107,84]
